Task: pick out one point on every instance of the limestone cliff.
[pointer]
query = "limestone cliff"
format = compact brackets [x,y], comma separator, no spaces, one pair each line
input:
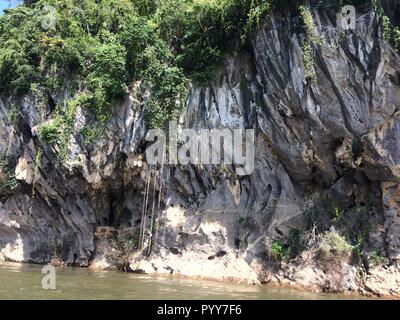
[327,156]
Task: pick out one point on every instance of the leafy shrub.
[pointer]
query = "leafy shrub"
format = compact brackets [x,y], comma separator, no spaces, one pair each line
[386,28]
[200,32]
[334,207]
[308,60]
[333,245]
[168,95]
[312,38]
[123,247]
[397,38]
[101,47]
[12,114]
[278,251]
[108,72]
[309,23]
[389,32]
[51,131]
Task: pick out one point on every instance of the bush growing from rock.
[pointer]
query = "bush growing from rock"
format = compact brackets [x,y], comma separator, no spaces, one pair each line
[333,245]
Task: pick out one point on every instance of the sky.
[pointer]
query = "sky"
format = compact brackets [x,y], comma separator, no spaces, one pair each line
[4,4]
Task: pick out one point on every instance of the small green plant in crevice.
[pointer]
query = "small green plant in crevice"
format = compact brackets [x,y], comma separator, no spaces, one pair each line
[390,33]
[68,114]
[57,130]
[50,131]
[397,38]
[12,114]
[308,59]
[334,208]
[358,247]
[377,258]
[90,134]
[284,251]
[333,245]
[312,39]
[308,20]
[38,161]
[386,28]
[7,175]
[360,241]
[278,251]
[338,214]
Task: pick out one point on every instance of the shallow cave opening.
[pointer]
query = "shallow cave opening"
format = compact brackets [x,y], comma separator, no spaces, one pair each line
[119,212]
[112,199]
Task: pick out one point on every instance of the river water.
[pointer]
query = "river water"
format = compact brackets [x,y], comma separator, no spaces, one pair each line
[24,281]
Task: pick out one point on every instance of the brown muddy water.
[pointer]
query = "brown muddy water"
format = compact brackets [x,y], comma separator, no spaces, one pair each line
[24,281]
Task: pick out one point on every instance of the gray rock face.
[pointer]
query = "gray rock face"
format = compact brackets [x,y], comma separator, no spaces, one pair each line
[336,136]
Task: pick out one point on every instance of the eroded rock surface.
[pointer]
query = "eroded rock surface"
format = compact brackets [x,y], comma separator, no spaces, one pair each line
[334,137]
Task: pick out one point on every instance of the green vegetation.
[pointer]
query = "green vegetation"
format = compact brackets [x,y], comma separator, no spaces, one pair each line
[12,114]
[378,259]
[38,161]
[390,33]
[397,38]
[280,251]
[386,28]
[7,176]
[98,48]
[312,39]
[334,207]
[333,245]
[308,58]
[101,48]
[353,222]
[58,129]
[50,131]
[310,26]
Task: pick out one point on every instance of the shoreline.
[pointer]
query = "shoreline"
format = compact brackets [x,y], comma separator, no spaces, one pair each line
[176,277]
[274,284]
